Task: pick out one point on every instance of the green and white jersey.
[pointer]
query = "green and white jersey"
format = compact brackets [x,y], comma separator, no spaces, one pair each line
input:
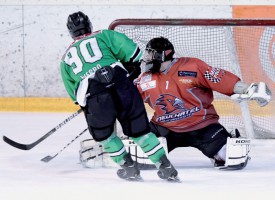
[89,53]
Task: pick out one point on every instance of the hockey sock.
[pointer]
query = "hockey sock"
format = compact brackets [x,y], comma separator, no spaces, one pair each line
[150,145]
[115,148]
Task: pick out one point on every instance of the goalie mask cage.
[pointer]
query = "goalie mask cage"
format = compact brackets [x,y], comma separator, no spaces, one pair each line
[243,47]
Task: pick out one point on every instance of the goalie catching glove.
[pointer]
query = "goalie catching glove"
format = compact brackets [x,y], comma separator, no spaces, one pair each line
[256,91]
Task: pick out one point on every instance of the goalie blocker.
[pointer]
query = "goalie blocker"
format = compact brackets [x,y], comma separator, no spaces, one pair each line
[91,154]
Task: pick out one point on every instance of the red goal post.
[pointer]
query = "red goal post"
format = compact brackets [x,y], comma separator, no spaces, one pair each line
[245,47]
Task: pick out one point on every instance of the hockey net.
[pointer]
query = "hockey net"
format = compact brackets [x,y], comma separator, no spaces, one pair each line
[243,47]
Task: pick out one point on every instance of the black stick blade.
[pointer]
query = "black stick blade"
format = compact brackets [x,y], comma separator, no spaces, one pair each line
[30,146]
[17,145]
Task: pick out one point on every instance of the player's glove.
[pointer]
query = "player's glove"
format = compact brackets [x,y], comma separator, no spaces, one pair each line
[256,91]
[133,69]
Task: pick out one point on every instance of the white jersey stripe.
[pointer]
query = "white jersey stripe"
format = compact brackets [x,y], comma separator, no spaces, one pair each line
[154,150]
[118,153]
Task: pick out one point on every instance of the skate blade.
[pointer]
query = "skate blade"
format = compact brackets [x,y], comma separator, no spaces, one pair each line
[174,180]
[135,179]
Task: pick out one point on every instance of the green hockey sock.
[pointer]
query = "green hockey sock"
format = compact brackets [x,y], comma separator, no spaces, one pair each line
[150,145]
[114,146]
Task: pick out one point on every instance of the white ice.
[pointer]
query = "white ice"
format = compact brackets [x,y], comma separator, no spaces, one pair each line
[24,177]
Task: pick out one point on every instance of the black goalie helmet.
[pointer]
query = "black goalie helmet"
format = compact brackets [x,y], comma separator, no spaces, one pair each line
[157,51]
[79,24]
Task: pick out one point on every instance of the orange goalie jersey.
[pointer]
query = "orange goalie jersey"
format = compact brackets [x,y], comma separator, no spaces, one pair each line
[182,96]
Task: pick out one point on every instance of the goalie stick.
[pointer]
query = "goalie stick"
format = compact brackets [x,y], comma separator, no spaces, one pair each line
[30,146]
[49,158]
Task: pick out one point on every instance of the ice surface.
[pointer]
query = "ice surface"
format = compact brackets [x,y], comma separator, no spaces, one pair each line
[24,177]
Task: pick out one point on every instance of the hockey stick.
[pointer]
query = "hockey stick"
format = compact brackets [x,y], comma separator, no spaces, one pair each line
[30,146]
[49,158]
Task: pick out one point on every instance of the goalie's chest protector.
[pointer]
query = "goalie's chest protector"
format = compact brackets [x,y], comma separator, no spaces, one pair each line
[182,97]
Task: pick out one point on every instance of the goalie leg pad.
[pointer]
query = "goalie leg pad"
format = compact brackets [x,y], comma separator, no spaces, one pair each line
[91,154]
[237,150]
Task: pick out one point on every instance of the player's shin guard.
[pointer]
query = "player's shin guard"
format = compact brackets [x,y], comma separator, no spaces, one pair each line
[150,145]
[237,150]
[115,148]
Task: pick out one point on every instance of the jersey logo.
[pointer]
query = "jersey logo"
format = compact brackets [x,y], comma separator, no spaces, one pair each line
[148,85]
[170,103]
[185,81]
[174,109]
[215,75]
[146,78]
[187,73]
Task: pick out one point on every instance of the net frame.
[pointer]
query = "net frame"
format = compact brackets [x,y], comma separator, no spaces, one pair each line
[192,22]
[249,125]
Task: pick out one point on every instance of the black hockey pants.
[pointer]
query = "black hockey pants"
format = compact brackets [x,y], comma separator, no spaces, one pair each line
[208,140]
[113,96]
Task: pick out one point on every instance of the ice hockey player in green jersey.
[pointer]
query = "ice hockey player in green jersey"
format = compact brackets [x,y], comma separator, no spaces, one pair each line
[95,77]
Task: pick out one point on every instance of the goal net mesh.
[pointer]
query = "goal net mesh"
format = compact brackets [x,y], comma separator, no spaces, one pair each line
[241,47]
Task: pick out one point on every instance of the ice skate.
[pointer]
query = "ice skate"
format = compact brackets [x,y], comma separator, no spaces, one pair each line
[167,170]
[129,170]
